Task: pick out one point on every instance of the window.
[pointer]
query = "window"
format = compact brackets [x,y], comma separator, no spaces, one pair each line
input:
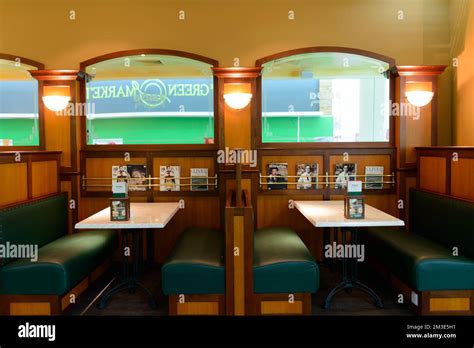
[19,118]
[325,97]
[150,99]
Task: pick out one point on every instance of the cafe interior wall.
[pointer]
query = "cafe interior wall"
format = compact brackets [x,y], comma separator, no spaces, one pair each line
[462,46]
[414,32]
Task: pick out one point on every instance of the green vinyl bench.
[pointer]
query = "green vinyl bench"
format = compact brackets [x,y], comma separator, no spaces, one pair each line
[66,263]
[431,263]
[284,272]
[193,276]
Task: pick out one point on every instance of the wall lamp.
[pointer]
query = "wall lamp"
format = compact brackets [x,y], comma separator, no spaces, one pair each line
[57,88]
[419,93]
[237,100]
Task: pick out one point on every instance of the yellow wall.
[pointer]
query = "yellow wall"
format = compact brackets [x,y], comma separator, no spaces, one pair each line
[462,39]
[226,29]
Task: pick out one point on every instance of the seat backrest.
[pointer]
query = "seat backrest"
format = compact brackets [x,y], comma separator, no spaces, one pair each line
[445,220]
[37,222]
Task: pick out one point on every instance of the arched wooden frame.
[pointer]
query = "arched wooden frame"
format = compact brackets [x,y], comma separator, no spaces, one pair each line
[257,119]
[41,131]
[139,147]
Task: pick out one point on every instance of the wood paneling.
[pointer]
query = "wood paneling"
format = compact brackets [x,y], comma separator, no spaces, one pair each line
[274,211]
[433,174]
[362,161]
[462,178]
[239,276]
[237,123]
[58,135]
[292,161]
[281,307]
[13,183]
[198,308]
[66,186]
[246,184]
[450,304]
[186,163]
[102,168]
[74,293]
[417,132]
[198,212]
[44,176]
[386,203]
[30,308]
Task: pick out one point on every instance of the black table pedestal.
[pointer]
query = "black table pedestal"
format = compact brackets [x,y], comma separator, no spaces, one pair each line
[129,280]
[349,276]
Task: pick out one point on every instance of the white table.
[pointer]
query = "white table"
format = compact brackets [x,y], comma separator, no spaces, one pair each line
[142,216]
[331,214]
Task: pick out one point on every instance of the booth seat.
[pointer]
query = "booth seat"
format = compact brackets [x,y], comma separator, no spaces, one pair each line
[66,263]
[434,260]
[193,276]
[284,272]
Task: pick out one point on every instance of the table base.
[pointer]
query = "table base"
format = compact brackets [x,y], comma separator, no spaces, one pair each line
[351,281]
[129,279]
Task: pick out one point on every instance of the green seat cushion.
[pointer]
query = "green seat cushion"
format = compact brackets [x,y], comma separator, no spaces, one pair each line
[37,222]
[61,264]
[420,262]
[446,221]
[282,263]
[196,264]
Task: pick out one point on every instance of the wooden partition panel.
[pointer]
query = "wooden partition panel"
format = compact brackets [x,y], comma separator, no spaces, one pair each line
[13,183]
[462,178]
[185,164]
[447,170]
[45,177]
[433,174]
[101,167]
[239,230]
[27,175]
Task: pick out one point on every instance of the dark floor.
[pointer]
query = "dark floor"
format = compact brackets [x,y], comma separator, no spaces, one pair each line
[354,303]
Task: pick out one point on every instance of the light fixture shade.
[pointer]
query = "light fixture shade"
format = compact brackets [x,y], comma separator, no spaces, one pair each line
[237,100]
[56,102]
[56,98]
[419,98]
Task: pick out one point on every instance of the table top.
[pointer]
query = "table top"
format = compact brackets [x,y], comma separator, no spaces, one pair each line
[331,214]
[142,215]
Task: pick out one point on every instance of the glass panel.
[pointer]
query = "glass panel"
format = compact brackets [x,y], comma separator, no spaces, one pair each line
[151,99]
[19,121]
[325,97]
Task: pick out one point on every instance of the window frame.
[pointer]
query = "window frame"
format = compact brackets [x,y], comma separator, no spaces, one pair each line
[149,147]
[41,135]
[257,120]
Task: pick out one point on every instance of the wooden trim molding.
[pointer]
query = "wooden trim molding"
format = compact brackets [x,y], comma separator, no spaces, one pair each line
[27,61]
[420,70]
[137,52]
[55,75]
[237,72]
[337,49]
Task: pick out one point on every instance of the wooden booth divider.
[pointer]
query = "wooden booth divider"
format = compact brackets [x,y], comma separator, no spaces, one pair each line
[26,175]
